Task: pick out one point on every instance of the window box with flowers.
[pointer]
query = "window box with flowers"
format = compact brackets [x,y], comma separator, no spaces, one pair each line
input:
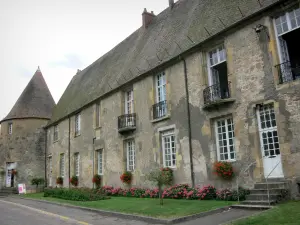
[97,180]
[126,177]
[74,181]
[224,170]
[59,181]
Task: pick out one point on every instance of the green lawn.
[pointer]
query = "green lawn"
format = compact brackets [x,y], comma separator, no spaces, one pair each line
[282,214]
[172,208]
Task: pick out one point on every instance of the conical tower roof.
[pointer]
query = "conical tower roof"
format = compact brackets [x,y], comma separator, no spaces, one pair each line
[35,101]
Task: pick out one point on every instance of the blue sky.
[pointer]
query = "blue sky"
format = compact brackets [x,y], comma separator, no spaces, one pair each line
[60,37]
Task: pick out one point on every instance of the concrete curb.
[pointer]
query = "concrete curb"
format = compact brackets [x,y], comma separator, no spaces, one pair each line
[133,216]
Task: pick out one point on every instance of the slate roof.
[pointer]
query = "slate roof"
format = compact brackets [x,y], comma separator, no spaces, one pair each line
[35,101]
[172,32]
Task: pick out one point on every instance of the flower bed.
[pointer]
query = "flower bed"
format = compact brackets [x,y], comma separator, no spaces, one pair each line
[74,194]
[179,191]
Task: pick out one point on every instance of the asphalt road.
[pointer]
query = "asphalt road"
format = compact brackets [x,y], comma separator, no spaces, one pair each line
[15,211]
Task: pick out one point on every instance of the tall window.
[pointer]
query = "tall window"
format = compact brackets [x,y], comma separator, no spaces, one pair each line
[76,164]
[62,165]
[160,108]
[268,130]
[10,125]
[130,149]
[55,133]
[77,124]
[98,114]
[225,139]
[100,161]
[169,148]
[288,35]
[218,79]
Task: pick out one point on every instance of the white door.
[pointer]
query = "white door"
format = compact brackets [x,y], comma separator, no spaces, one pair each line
[269,142]
[8,178]
[50,171]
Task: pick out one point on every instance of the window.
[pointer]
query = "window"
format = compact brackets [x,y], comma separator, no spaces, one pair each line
[129,102]
[50,171]
[225,139]
[10,125]
[268,130]
[62,165]
[55,133]
[77,124]
[160,109]
[169,149]
[130,148]
[288,33]
[217,75]
[98,115]
[76,164]
[100,161]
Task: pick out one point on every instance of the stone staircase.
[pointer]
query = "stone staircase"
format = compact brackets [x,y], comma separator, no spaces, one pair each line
[5,191]
[259,199]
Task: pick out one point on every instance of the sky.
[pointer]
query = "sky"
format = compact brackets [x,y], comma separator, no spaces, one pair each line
[60,37]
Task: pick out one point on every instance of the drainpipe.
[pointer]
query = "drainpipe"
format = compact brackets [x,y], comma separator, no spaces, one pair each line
[93,159]
[69,150]
[189,121]
[46,131]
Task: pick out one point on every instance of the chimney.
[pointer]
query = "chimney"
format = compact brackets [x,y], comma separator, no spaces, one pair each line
[147,18]
[171,3]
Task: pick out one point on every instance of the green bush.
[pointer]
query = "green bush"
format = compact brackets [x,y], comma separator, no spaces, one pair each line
[74,194]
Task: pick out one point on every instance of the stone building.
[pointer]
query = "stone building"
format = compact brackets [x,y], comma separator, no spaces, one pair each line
[200,82]
[22,138]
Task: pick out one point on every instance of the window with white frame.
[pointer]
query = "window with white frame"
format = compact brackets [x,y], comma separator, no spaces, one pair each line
[98,114]
[129,102]
[169,148]
[217,75]
[77,124]
[62,165]
[160,109]
[55,133]
[130,149]
[288,35]
[100,161]
[76,164]
[268,130]
[225,139]
[10,126]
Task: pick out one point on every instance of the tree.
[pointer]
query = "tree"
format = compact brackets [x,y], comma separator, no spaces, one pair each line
[160,180]
[37,182]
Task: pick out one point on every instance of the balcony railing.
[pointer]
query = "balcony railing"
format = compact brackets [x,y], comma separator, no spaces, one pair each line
[127,122]
[287,72]
[159,110]
[216,93]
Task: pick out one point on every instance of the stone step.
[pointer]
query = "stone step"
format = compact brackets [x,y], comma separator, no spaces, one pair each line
[273,185]
[265,191]
[274,197]
[259,202]
[254,207]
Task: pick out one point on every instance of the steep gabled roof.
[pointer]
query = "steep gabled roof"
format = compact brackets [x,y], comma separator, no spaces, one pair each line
[35,101]
[172,32]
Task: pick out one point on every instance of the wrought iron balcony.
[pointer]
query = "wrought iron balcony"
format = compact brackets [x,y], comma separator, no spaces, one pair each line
[216,93]
[287,72]
[159,109]
[127,122]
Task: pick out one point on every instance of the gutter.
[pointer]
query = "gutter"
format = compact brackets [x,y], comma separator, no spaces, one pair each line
[189,122]
[169,61]
[93,160]
[46,131]
[69,150]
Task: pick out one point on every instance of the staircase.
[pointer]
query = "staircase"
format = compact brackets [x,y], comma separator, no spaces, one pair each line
[5,191]
[261,198]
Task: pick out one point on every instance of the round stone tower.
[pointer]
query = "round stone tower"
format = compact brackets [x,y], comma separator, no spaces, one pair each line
[22,137]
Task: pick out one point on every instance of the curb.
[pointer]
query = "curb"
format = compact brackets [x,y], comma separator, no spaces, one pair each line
[132,216]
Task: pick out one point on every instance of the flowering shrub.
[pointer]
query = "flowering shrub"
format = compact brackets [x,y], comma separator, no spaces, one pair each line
[97,180]
[74,181]
[59,180]
[224,170]
[167,173]
[232,195]
[126,177]
[14,172]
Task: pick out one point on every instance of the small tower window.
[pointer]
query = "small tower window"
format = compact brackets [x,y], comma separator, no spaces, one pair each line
[10,128]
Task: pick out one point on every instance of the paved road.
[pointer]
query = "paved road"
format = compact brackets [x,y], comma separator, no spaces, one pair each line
[15,211]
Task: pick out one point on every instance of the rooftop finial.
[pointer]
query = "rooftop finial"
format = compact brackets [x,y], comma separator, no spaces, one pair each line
[38,69]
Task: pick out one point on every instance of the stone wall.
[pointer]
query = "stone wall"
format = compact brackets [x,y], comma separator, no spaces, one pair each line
[25,146]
